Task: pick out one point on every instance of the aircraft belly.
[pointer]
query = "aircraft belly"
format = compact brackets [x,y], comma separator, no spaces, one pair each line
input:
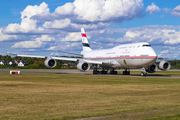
[127,62]
[136,63]
[111,64]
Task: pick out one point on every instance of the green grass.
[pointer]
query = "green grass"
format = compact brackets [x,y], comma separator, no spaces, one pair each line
[158,73]
[59,96]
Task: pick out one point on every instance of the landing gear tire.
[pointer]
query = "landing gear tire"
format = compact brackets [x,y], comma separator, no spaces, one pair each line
[126,72]
[96,72]
[112,72]
[143,74]
[103,72]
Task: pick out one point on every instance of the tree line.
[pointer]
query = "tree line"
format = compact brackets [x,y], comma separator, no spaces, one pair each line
[175,64]
[39,64]
[36,63]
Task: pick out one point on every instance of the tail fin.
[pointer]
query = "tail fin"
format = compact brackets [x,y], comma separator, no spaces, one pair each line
[85,43]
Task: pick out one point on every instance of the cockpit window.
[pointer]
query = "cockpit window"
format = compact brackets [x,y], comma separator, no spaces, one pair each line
[146,45]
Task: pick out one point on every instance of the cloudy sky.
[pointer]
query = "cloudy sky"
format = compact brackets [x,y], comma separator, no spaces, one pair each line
[38,27]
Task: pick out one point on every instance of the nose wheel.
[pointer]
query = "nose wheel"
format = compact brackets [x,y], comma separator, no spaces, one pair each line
[144,73]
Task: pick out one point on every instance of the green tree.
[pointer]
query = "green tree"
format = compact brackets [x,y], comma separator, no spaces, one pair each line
[2,58]
[29,60]
[8,58]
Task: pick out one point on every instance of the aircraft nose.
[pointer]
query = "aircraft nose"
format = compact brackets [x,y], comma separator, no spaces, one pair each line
[155,56]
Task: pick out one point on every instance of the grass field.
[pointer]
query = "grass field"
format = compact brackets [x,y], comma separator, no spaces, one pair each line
[58,96]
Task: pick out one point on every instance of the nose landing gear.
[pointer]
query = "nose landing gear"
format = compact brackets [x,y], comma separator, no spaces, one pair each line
[144,73]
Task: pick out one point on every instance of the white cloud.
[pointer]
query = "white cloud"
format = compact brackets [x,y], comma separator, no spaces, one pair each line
[66,9]
[101,10]
[27,24]
[90,26]
[75,36]
[173,41]
[176,11]
[45,38]
[173,37]
[168,54]
[54,54]
[152,8]
[37,43]
[166,10]
[91,14]
[156,34]
[131,34]
[53,48]
[57,24]
[165,51]
[28,44]
[170,47]
[4,37]
[66,46]
[31,49]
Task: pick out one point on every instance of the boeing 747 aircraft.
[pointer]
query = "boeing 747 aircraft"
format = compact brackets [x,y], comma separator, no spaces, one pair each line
[125,56]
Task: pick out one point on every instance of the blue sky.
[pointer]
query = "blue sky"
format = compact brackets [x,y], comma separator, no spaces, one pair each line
[43,27]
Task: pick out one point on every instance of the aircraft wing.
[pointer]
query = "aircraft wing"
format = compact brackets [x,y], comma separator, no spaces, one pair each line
[56,58]
[93,61]
[30,56]
[78,59]
[70,53]
[168,60]
[65,58]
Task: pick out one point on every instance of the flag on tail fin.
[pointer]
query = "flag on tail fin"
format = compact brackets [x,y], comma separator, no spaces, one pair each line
[85,43]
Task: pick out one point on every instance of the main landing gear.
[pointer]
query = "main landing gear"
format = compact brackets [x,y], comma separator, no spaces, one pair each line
[103,71]
[95,70]
[112,72]
[126,72]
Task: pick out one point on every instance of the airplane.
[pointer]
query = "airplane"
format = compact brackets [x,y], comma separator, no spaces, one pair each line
[125,56]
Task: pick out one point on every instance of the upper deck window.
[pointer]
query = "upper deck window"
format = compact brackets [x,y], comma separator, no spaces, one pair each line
[146,45]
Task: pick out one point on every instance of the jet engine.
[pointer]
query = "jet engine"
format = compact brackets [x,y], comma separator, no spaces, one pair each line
[152,68]
[83,66]
[50,62]
[164,65]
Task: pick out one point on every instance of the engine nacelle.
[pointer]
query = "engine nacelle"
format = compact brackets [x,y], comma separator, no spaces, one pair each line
[164,65]
[152,68]
[83,66]
[50,62]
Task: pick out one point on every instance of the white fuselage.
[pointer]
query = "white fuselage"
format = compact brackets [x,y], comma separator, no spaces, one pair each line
[135,55]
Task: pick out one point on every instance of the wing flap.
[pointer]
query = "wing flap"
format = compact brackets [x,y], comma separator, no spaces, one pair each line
[32,56]
[70,53]
[67,59]
[93,61]
[64,58]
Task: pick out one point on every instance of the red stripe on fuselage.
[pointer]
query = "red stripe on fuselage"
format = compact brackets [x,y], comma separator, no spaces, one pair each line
[83,34]
[131,57]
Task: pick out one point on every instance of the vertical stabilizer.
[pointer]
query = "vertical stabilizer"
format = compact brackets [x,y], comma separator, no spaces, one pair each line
[85,43]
